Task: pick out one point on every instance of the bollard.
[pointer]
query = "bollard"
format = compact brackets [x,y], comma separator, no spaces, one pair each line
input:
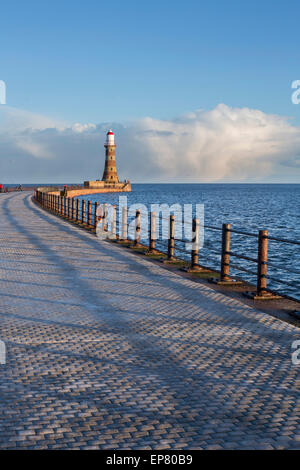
[195,244]
[171,241]
[89,214]
[77,209]
[225,257]
[124,223]
[262,266]
[95,215]
[137,237]
[152,236]
[83,211]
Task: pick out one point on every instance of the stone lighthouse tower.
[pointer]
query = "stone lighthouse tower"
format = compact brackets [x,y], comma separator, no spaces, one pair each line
[110,181]
[110,174]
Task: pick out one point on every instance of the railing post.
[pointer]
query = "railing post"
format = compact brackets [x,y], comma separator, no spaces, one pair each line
[82,211]
[137,237]
[95,215]
[61,206]
[73,209]
[104,220]
[195,244]
[152,235]
[262,260]
[225,257]
[171,241]
[69,208]
[77,209]
[65,206]
[124,223]
[89,214]
[114,222]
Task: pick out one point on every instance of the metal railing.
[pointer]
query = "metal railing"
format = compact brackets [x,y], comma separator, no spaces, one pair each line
[85,213]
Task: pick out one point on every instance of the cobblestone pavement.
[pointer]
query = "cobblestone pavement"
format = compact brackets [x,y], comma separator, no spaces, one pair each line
[106,350]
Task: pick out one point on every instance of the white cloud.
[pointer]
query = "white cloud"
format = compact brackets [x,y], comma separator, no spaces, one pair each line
[224,144]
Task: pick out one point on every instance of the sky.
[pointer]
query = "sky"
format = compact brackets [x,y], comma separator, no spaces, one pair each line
[196,91]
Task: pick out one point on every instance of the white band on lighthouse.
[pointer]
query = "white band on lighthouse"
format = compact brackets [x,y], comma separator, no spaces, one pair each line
[110,138]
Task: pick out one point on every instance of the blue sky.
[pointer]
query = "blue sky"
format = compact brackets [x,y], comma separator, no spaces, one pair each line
[122,61]
[98,61]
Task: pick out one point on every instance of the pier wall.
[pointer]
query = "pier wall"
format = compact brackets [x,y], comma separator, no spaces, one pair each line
[105,188]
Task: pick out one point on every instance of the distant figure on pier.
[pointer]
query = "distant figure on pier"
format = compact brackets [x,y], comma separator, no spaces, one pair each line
[1,188]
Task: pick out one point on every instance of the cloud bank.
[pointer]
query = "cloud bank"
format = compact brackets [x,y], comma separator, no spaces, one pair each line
[223,144]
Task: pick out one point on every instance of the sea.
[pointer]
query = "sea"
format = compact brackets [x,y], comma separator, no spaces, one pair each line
[248,208]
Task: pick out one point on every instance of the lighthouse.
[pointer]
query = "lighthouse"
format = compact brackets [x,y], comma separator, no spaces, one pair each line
[110,181]
[110,174]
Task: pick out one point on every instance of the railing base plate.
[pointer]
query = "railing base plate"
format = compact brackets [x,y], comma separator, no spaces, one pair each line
[196,269]
[265,296]
[230,282]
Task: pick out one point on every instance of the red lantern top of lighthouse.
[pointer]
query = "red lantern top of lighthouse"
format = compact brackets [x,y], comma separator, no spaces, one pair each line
[110,138]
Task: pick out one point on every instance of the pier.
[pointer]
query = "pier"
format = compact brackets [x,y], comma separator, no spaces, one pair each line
[108,350]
